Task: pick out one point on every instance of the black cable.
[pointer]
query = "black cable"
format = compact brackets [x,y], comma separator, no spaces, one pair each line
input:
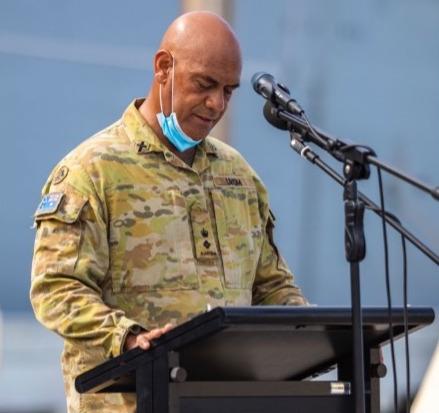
[386,213]
[405,307]
[312,130]
[389,297]
[406,327]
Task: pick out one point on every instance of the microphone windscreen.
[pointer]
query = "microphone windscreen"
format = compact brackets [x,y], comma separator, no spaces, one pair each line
[254,80]
[270,114]
[260,80]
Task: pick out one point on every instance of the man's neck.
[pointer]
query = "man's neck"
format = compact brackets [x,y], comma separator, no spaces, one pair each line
[187,156]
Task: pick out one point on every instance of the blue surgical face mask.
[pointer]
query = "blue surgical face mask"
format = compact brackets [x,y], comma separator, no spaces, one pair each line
[169,124]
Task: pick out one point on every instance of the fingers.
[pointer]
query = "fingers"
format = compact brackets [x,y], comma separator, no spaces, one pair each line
[144,339]
[153,334]
[143,342]
[167,327]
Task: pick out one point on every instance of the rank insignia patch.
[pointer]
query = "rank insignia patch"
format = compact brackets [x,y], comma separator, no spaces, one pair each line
[60,174]
[49,204]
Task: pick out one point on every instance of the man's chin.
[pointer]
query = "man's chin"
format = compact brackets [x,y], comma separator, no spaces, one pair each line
[198,127]
[197,134]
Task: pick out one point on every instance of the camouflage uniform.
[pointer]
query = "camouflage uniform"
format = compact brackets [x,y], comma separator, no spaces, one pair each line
[128,235]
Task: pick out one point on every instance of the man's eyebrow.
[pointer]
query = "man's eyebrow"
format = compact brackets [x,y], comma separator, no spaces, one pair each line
[215,82]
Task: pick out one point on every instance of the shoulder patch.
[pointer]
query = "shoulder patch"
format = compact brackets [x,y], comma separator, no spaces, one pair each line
[49,204]
[60,175]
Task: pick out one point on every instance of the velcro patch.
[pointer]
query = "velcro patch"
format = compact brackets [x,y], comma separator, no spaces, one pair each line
[233,181]
[49,204]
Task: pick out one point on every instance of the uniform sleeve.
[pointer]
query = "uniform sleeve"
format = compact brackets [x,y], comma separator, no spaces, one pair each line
[274,282]
[70,262]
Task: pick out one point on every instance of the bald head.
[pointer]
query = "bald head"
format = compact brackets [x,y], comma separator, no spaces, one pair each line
[196,69]
[200,32]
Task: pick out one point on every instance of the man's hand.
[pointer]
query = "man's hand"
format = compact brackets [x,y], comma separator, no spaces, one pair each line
[143,340]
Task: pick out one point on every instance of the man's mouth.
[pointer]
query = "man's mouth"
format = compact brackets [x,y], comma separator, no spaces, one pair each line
[205,119]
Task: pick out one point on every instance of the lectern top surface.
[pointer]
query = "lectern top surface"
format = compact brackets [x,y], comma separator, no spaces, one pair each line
[260,343]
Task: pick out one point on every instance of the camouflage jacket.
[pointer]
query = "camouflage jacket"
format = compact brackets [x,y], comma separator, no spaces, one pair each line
[128,234]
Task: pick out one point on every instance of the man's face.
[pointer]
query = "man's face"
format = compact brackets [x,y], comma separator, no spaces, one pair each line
[202,90]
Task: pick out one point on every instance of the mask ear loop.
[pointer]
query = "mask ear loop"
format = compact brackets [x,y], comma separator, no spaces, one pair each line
[172,90]
[172,87]
[160,97]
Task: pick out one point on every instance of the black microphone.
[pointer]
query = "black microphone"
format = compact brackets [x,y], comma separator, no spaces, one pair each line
[272,117]
[265,85]
[283,120]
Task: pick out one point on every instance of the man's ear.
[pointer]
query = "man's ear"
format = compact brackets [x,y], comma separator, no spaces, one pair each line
[162,66]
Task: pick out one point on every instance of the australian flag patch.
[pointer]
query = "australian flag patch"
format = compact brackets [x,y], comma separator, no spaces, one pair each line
[49,204]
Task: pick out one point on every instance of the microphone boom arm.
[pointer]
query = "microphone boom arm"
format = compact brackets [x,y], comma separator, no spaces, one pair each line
[300,130]
[344,151]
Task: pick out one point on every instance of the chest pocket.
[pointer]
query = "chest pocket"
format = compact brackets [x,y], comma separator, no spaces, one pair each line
[150,242]
[239,233]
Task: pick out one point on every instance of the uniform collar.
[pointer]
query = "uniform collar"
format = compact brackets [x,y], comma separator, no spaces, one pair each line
[145,140]
[139,132]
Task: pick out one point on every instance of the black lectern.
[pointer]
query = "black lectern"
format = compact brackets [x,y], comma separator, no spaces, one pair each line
[254,360]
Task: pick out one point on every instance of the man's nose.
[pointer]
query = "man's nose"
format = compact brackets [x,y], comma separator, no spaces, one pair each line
[216,101]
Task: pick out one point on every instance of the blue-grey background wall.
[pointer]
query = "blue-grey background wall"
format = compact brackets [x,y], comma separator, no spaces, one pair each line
[366,70]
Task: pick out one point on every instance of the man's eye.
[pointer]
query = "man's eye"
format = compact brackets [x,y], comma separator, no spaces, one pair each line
[203,85]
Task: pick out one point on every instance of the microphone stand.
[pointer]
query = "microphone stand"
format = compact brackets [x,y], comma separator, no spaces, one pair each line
[355,251]
[360,155]
[356,159]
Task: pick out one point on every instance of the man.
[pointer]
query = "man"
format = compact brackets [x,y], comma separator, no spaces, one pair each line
[151,221]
